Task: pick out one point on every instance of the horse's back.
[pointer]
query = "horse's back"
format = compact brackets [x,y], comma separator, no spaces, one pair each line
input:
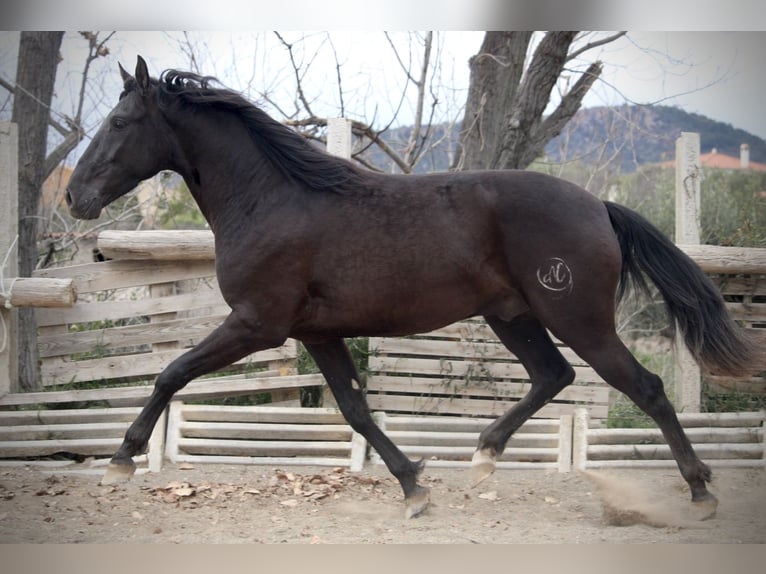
[534,214]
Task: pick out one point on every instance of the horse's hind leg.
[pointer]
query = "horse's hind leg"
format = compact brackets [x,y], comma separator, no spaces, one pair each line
[548,371]
[337,366]
[617,366]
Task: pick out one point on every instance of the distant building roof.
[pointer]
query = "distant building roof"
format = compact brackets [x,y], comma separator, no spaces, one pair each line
[722,161]
[717,160]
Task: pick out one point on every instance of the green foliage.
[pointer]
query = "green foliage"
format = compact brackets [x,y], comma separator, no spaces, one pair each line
[360,353]
[238,401]
[732,211]
[180,211]
[730,401]
[623,413]
[650,192]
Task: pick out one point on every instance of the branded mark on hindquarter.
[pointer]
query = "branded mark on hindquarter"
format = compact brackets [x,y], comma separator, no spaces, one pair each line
[555,275]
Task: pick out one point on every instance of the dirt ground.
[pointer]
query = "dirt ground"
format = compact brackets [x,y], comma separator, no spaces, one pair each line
[320,505]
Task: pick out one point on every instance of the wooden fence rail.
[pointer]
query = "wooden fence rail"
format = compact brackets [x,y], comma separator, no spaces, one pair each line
[95,433]
[447,441]
[124,330]
[404,370]
[262,435]
[464,370]
[37,292]
[270,435]
[720,439]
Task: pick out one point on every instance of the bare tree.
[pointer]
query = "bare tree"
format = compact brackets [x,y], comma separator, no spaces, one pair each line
[35,76]
[417,64]
[504,126]
[38,59]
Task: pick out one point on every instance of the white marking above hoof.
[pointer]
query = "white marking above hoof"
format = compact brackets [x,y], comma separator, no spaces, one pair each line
[482,466]
[118,473]
[418,502]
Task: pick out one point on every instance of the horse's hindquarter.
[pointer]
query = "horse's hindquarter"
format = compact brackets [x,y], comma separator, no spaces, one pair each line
[562,251]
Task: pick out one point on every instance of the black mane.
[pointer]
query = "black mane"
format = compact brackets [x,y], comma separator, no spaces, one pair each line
[295,156]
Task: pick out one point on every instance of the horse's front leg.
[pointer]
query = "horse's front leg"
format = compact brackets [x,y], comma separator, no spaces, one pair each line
[337,366]
[234,339]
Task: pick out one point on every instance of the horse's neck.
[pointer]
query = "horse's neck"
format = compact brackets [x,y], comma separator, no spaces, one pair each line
[223,168]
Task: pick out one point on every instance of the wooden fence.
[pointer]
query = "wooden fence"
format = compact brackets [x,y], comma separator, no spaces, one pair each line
[740,275]
[262,435]
[39,437]
[720,439]
[132,318]
[448,441]
[463,369]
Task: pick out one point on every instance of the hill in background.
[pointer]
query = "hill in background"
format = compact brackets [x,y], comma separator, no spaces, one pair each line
[627,136]
[639,135]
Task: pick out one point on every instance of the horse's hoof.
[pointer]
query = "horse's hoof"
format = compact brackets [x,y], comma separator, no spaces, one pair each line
[705,507]
[117,473]
[417,502]
[482,466]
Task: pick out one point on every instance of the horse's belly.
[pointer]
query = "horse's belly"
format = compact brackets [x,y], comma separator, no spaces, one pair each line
[397,312]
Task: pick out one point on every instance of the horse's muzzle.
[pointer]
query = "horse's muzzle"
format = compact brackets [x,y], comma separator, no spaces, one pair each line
[89,209]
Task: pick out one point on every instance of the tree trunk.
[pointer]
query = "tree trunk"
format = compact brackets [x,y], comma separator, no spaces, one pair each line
[495,75]
[504,127]
[35,76]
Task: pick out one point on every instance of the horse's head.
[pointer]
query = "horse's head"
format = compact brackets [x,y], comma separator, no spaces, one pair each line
[131,145]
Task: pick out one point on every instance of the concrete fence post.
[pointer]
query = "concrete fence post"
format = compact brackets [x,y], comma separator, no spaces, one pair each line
[688,387]
[339,137]
[9,222]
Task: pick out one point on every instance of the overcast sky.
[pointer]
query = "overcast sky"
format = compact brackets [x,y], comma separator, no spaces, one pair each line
[717,74]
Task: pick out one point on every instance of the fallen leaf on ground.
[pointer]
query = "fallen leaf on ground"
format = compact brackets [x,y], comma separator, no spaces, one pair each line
[492,495]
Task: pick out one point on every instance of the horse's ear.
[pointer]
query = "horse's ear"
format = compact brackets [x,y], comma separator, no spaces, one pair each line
[125,76]
[142,75]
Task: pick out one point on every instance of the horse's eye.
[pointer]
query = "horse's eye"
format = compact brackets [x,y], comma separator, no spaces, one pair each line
[119,123]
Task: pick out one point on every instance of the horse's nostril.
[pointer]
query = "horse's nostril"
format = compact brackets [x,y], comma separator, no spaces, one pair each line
[69,198]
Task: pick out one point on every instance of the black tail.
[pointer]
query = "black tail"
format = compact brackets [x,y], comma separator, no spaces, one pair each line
[713,338]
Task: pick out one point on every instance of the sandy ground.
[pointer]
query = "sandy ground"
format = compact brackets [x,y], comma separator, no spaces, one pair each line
[319,505]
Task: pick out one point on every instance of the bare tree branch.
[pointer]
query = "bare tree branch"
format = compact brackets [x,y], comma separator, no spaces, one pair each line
[418,139]
[11,89]
[338,75]
[413,150]
[551,126]
[591,45]
[296,70]
[406,68]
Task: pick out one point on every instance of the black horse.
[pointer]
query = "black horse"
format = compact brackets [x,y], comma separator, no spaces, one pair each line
[313,247]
